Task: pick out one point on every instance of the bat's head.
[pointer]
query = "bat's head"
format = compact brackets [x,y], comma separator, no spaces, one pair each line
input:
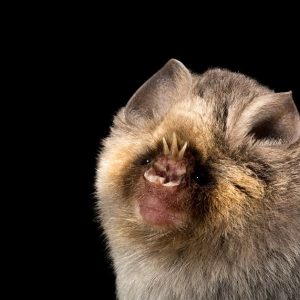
[198,158]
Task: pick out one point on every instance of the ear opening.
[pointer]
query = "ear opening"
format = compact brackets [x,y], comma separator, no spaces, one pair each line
[267,129]
[270,118]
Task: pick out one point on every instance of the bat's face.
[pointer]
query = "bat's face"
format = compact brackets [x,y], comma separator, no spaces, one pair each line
[173,183]
[192,157]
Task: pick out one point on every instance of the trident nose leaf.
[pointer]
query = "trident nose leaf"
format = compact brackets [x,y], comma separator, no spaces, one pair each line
[174,152]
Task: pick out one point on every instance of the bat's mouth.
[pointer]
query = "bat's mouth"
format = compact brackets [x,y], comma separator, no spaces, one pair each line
[165,181]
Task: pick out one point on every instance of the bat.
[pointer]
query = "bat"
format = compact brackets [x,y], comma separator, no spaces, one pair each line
[198,189]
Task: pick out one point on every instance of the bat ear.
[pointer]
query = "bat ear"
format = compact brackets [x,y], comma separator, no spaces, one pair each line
[270,118]
[155,97]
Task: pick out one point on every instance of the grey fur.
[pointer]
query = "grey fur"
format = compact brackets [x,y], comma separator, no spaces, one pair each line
[247,244]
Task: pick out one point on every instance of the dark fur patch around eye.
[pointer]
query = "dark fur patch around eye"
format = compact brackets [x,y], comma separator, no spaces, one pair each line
[146,157]
[200,172]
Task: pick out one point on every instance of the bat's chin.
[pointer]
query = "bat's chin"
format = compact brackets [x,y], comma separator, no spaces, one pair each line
[156,212]
[162,206]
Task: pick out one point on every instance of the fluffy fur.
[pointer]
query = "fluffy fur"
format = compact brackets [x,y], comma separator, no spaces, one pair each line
[242,237]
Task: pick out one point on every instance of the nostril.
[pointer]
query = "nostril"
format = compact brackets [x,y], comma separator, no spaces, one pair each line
[161,173]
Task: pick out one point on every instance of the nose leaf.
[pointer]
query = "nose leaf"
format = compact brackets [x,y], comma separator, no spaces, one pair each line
[170,168]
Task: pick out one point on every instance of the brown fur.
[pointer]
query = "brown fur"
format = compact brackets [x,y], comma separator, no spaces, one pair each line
[241,239]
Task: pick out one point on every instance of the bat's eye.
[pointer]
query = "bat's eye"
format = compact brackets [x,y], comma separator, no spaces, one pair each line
[146,161]
[197,176]
[201,176]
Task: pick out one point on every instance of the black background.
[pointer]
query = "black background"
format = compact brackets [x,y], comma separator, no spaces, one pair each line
[91,73]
